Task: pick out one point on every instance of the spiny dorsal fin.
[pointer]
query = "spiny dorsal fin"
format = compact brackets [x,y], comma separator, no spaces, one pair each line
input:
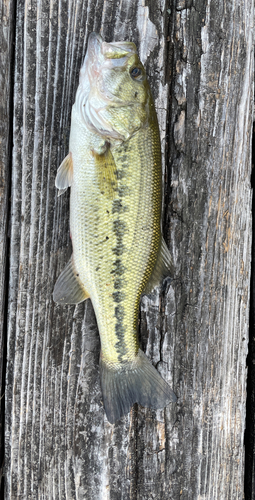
[64,175]
[162,269]
[68,288]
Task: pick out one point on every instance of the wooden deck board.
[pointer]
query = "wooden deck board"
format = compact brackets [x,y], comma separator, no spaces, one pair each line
[59,445]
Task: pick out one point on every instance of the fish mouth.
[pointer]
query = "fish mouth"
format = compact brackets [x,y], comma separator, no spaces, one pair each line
[94,56]
[115,50]
[94,46]
[118,50]
[103,54]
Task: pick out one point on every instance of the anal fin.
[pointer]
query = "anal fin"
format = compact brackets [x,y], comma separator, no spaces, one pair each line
[64,175]
[69,288]
[163,268]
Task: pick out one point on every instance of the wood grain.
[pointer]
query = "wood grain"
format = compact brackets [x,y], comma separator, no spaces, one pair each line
[195,329]
[209,218]
[6,96]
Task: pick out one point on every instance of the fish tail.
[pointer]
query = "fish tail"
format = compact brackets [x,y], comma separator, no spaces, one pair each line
[135,382]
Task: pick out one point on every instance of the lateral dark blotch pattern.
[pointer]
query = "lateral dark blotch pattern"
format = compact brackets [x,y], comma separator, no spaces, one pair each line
[118,208]
[119,313]
[118,283]
[119,228]
[120,331]
[118,250]
[118,296]
[123,158]
[123,191]
[120,174]
[119,268]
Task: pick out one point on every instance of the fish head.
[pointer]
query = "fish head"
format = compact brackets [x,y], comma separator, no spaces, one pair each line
[114,94]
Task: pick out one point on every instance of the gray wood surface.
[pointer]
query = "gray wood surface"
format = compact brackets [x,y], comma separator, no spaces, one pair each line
[59,445]
[6,95]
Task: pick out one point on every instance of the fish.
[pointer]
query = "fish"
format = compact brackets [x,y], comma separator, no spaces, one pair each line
[115,174]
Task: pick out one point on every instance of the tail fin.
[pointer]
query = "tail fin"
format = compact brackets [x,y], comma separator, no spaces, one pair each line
[135,382]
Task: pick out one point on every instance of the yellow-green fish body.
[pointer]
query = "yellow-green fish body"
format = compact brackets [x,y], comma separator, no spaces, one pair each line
[114,170]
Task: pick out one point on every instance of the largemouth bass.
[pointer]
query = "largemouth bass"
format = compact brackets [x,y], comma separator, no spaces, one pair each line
[114,170]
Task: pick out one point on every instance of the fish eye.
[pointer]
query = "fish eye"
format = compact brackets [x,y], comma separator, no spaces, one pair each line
[137,74]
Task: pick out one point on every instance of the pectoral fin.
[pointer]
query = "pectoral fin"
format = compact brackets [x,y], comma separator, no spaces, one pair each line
[64,175]
[162,269]
[69,288]
[106,173]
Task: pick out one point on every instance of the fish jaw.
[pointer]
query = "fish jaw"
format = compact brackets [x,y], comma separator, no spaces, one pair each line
[92,61]
[99,51]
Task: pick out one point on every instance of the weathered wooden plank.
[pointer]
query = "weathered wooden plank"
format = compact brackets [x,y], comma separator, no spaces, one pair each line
[6,54]
[59,443]
[250,406]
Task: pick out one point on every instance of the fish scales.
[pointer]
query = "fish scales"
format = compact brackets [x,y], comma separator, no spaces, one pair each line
[114,170]
[118,263]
